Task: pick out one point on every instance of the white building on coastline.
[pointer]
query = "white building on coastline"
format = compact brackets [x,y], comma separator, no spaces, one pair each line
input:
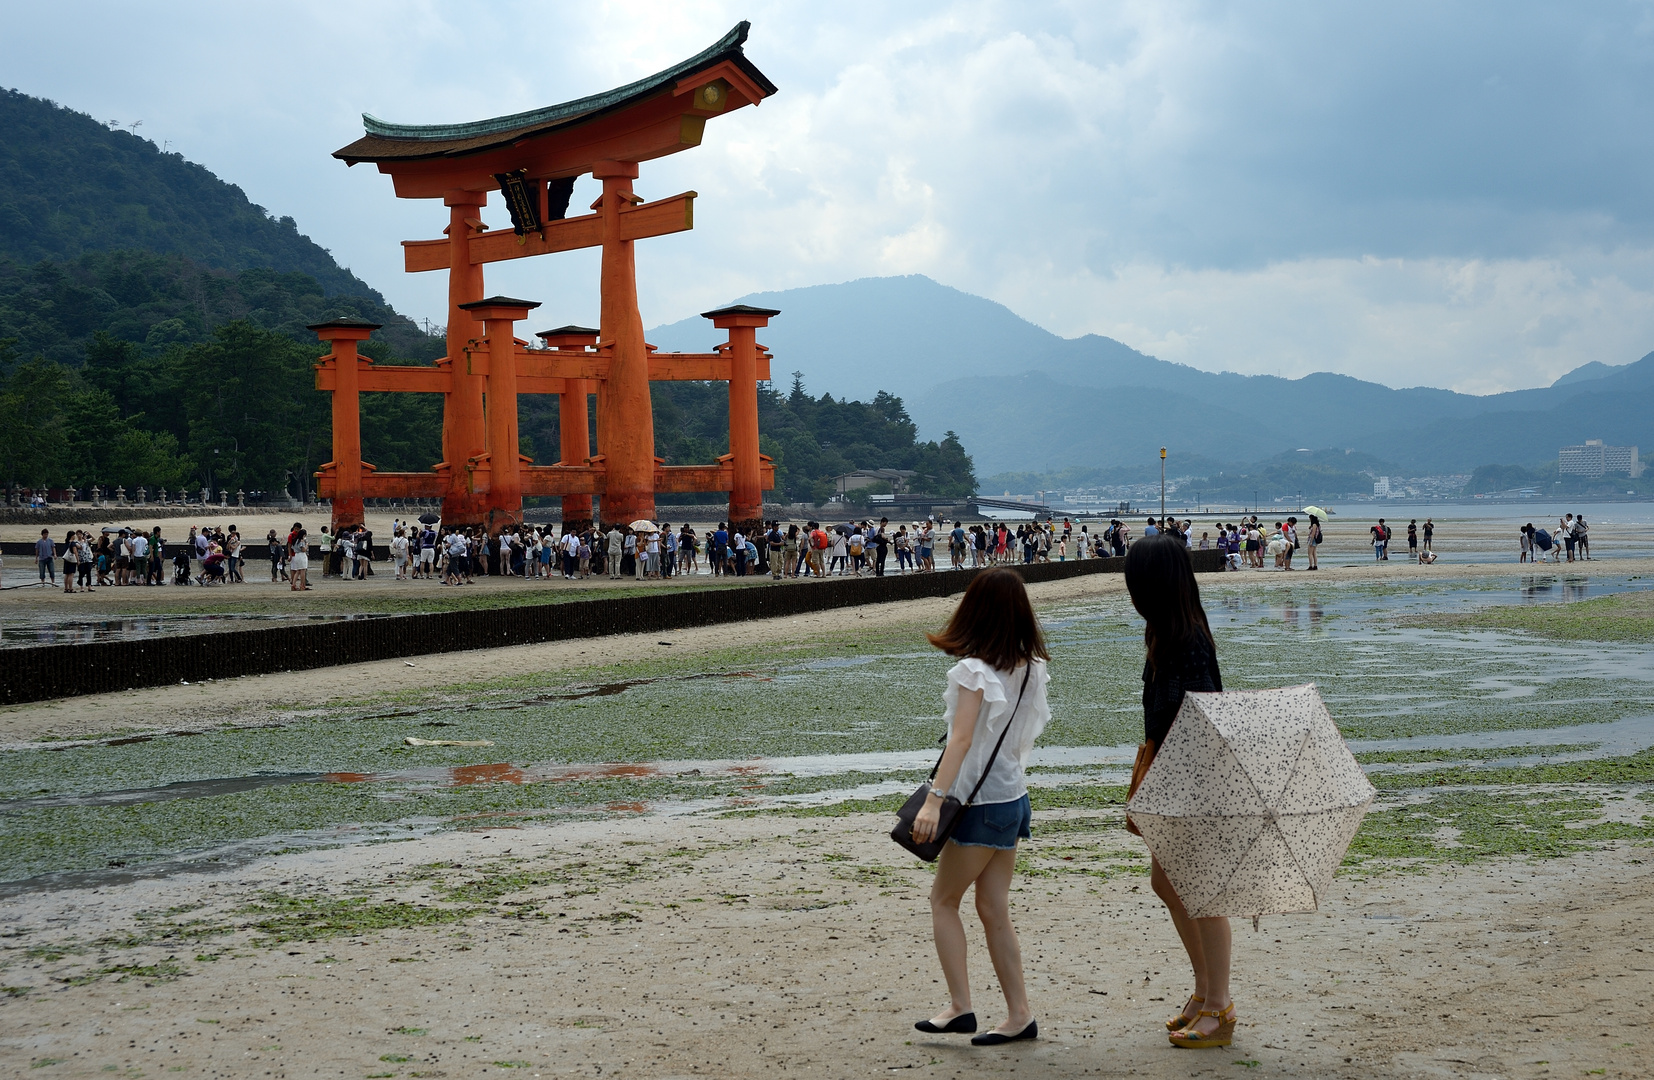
[1595,459]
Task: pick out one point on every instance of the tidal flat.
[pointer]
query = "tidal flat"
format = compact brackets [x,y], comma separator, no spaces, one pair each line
[670,856]
[847,718]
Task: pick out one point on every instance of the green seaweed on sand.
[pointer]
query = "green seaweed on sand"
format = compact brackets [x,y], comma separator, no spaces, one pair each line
[1627,769]
[1469,753]
[1469,826]
[1621,617]
[279,918]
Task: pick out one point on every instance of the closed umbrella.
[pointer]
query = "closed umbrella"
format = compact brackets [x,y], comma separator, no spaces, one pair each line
[1317,511]
[1251,802]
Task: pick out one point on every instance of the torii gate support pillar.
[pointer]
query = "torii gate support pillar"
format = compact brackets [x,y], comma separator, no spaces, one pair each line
[746,493]
[499,315]
[626,422]
[342,336]
[463,434]
[573,420]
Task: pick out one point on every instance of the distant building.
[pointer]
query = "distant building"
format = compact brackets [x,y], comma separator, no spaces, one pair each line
[861,478]
[1595,459]
[1381,487]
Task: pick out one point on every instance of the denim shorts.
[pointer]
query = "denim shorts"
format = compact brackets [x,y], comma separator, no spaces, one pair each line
[994,825]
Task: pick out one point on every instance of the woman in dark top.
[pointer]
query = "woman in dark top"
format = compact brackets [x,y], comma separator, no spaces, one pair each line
[1181,658]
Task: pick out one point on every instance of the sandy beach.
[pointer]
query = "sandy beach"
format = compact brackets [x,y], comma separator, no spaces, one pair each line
[664,944]
[775,946]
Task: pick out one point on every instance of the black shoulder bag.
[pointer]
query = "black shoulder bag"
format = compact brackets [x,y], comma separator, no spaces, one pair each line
[952,808]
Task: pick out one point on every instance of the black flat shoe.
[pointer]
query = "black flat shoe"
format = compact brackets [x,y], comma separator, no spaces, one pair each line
[994,1038]
[963,1024]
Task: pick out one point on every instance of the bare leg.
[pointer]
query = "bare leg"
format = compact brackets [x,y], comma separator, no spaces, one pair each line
[1215,945]
[956,870]
[1187,930]
[993,906]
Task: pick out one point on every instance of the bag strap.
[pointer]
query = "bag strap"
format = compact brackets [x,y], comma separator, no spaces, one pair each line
[986,769]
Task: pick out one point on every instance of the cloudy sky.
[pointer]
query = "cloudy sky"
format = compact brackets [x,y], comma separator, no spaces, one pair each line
[1437,194]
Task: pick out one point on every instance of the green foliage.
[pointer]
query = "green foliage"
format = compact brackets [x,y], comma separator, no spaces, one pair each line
[811,439]
[1547,479]
[151,302]
[70,185]
[148,370]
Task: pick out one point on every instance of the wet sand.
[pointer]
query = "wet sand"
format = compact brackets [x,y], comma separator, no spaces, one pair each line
[778,946]
[258,699]
[670,946]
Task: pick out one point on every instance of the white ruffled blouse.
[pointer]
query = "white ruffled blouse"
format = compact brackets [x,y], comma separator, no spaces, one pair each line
[1007,782]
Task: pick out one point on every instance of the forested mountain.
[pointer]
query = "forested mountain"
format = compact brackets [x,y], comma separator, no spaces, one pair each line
[54,308]
[152,334]
[811,439]
[71,185]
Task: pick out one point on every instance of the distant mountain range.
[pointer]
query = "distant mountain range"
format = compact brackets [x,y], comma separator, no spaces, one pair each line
[1024,399]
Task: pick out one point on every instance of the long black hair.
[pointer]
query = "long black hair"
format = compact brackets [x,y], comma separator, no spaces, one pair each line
[1161,580]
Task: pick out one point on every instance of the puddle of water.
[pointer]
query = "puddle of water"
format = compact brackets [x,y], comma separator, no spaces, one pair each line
[836,727]
[25,630]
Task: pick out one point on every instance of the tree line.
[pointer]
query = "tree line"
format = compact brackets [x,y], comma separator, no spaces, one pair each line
[133,369]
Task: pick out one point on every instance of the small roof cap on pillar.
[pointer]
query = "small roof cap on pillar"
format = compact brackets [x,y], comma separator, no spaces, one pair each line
[345,322]
[741,309]
[500,301]
[570,331]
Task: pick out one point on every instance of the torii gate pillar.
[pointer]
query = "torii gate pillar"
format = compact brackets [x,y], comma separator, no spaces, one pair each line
[499,315]
[574,433]
[746,493]
[463,434]
[626,422]
[342,336]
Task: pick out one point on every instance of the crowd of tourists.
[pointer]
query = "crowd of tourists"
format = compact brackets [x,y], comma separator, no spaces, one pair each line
[114,557]
[641,551]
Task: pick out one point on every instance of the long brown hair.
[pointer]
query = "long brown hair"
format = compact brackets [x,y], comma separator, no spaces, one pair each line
[1161,580]
[994,622]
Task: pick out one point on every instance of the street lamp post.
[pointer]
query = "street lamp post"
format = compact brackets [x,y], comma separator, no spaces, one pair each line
[1162,487]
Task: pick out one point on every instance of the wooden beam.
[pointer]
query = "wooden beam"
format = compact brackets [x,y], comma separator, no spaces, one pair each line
[378,485]
[675,213]
[374,378]
[686,478]
[563,480]
[538,372]
[697,367]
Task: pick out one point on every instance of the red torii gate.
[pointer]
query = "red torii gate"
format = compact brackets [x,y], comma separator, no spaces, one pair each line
[533,159]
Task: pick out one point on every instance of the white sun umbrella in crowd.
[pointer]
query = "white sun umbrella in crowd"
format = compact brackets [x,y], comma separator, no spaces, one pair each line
[643,525]
[1251,802]
[1317,511]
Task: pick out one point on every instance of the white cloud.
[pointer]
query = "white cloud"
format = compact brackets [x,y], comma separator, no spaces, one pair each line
[1412,193]
[1477,326]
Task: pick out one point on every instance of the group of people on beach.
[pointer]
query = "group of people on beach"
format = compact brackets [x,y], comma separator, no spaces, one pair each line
[1572,534]
[995,708]
[129,556]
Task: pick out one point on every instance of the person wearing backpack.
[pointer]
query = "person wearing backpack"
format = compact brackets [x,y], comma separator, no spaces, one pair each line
[819,542]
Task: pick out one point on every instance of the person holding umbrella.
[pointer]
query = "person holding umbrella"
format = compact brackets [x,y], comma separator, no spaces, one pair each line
[1182,657]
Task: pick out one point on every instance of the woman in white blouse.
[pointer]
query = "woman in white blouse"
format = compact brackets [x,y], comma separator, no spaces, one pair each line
[995,692]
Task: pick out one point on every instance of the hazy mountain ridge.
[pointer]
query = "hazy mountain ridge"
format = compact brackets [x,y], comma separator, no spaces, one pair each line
[1024,399]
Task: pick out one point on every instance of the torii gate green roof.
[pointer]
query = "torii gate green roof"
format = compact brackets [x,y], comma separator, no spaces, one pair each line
[386,141]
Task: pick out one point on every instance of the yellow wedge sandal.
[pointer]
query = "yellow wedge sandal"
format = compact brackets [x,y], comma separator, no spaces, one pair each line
[1223,1035]
[1183,1019]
